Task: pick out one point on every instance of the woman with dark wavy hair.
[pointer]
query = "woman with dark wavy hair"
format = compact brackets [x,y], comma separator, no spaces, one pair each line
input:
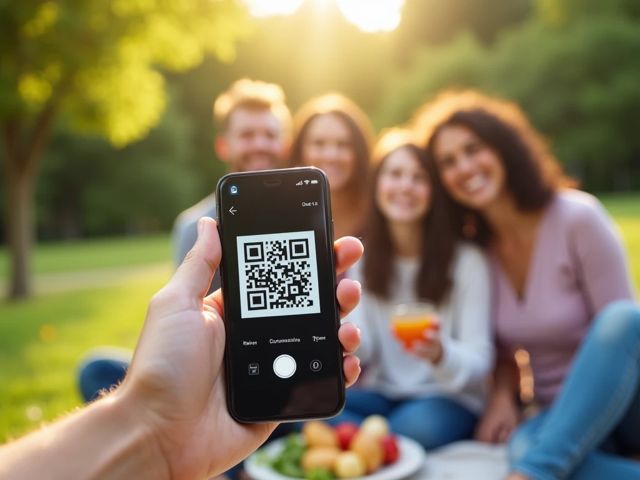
[332,133]
[562,291]
[431,389]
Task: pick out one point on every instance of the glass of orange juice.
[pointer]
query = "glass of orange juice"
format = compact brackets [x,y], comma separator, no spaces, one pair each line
[410,321]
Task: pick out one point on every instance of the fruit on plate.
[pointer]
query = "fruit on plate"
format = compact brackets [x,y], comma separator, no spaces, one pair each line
[349,464]
[345,432]
[346,451]
[318,434]
[319,457]
[390,450]
[369,448]
[375,426]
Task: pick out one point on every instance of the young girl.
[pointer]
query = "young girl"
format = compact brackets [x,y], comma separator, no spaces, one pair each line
[558,268]
[431,390]
[333,134]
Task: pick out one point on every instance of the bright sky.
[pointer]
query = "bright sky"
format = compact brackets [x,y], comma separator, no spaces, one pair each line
[367,15]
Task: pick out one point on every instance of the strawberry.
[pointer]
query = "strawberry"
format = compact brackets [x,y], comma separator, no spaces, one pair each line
[345,432]
[390,448]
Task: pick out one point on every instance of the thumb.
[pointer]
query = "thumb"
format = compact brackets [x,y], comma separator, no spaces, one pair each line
[194,275]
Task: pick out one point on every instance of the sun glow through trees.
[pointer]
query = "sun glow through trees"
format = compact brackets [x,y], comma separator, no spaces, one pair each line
[368,15]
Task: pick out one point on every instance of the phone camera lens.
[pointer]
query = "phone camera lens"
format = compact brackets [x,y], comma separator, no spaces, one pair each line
[233,189]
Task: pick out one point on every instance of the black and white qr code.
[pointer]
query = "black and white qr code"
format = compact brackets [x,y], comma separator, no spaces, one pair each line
[278,274]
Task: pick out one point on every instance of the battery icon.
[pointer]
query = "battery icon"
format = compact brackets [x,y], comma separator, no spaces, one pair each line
[314,182]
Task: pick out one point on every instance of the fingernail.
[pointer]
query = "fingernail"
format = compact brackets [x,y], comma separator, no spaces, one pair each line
[200,226]
[359,285]
[359,332]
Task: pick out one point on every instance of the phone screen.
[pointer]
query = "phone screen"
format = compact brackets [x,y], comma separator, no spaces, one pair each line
[283,358]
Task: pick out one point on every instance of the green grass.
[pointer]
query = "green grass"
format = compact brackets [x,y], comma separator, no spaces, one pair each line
[625,210]
[93,254]
[43,339]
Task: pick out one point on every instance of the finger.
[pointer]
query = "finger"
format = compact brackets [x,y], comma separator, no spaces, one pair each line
[430,335]
[348,251]
[216,301]
[196,271]
[351,368]
[504,433]
[348,294]
[349,336]
[487,434]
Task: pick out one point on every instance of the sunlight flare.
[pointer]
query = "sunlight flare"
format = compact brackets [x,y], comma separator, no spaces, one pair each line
[372,15]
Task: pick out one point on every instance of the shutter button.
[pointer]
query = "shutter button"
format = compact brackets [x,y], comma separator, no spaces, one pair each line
[284,366]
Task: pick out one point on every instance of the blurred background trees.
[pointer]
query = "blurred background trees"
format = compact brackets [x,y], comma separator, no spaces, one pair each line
[91,66]
[132,144]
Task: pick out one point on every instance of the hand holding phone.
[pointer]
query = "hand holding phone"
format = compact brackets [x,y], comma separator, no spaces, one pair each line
[283,357]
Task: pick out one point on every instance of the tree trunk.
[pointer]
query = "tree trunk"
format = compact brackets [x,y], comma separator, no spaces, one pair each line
[19,228]
[23,154]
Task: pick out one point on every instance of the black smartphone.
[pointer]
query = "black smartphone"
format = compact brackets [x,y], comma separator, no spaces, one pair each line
[283,359]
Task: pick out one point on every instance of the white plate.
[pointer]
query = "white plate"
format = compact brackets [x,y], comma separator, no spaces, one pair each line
[411,459]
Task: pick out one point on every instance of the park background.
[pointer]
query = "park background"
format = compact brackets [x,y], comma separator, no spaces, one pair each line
[107,133]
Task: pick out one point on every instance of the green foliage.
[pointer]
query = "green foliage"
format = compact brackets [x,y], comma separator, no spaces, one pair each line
[139,188]
[562,12]
[98,60]
[578,84]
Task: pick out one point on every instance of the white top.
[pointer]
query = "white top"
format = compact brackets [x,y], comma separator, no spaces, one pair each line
[465,333]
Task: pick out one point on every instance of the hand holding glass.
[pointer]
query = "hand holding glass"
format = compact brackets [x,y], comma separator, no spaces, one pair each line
[410,322]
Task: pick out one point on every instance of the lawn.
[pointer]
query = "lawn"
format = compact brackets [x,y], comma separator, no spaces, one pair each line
[97,253]
[43,339]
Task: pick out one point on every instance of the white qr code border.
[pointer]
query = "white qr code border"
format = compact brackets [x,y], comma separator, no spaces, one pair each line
[313,295]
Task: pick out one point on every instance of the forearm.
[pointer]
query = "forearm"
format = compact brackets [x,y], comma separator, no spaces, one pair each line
[95,442]
[506,380]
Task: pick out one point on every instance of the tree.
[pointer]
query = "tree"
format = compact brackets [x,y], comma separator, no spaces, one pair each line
[96,66]
[139,188]
[577,82]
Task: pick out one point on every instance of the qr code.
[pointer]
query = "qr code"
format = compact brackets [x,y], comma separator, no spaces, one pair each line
[278,274]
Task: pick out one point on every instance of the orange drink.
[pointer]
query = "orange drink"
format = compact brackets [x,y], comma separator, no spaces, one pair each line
[410,321]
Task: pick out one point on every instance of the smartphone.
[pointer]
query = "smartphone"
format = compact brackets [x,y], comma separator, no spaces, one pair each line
[283,359]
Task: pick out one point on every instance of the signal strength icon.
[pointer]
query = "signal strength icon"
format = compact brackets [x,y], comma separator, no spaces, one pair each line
[306,182]
[299,183]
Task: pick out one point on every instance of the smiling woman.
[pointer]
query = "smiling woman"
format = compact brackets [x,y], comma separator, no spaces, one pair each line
[368,16]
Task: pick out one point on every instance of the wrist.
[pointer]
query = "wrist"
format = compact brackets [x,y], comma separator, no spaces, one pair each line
[504,397]
[438,353]
[126,411]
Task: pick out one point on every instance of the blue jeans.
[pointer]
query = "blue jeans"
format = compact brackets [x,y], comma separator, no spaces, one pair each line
[431,421]
[101,371]
[597,409]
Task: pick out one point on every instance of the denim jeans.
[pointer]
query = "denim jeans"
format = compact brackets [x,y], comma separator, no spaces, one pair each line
[596,412]
[102,371]
[431,421]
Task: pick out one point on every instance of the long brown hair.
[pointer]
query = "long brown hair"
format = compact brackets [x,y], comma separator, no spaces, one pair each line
[533,174]
[357,123]
[433,281]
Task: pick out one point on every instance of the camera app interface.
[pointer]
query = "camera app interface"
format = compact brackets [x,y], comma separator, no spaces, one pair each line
[279,288]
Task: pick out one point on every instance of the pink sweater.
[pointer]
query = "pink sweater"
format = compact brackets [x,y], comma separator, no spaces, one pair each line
[578,266]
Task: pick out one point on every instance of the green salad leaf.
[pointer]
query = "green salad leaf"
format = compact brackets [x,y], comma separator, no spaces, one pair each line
[287,462]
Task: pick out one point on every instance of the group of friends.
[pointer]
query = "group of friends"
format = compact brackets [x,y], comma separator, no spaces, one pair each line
[465,208]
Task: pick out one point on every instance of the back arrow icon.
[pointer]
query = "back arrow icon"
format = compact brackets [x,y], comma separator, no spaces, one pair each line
[232,210]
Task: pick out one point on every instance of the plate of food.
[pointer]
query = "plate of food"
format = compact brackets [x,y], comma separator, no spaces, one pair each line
[323,452]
